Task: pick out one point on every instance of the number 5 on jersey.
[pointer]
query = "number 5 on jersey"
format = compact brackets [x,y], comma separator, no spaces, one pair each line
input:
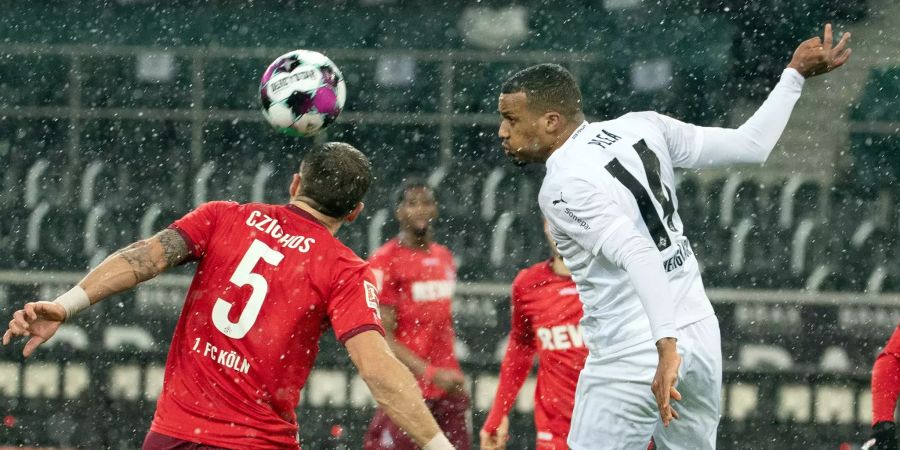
[243,276]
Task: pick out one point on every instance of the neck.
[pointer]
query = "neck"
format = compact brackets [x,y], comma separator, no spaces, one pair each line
[413,240]
[559,267]
[331,223]
[566,133]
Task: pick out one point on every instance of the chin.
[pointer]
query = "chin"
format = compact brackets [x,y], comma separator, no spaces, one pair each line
[516,161]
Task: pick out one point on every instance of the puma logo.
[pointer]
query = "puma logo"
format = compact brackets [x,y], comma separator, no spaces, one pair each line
[556,202]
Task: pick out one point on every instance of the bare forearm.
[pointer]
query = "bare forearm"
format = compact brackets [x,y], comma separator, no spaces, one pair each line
[393,386]
[134,264]
[398,394]
[415,364]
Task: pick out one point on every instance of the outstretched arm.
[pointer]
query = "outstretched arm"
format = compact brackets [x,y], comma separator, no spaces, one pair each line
[119,272]
[395,389]
[753,141]
[139,262]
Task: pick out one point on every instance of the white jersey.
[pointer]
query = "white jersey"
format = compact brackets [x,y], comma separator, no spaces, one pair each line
[612,176]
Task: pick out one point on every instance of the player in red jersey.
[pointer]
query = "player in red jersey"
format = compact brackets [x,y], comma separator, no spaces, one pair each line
[270,280]
[417,278]
[885,390]
[545,315]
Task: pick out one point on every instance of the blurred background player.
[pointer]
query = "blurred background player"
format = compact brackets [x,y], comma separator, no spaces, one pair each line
[545,320]
[610,199]
[269,279]
[417,278]
[885,390]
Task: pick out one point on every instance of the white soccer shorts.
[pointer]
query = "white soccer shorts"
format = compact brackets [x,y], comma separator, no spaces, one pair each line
[615,409]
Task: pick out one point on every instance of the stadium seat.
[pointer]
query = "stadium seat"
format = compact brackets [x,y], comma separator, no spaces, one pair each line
[477,85]
[70,337]
[117,81]
[229,82]
[51,233]
[755,357]
[120,338]
[27,82]
[13,232]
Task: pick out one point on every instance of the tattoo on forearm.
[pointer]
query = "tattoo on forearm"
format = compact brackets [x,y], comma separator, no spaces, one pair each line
[138,257]
[174,247]
[142,261]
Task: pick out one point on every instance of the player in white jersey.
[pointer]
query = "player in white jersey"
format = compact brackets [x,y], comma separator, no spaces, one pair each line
[609,195]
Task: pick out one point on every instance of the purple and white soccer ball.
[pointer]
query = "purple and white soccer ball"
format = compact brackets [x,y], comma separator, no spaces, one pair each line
[302,92]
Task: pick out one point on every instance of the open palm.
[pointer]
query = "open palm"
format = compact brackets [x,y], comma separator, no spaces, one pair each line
[39,320]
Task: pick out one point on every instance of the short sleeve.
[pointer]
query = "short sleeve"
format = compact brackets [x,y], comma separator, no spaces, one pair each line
[388,285]
[197,226]
[584,214]
[353,303]
[683,140]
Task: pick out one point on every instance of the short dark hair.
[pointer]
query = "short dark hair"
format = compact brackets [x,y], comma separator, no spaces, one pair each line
[407,184]
[336,176]
[547,87]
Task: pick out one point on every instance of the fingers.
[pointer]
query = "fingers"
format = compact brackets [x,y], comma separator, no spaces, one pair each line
[845,38]
[30,312]
[675,394]
[841,59]
[31,345]
[662,403]
[829,38]
[19,320]
[7,336]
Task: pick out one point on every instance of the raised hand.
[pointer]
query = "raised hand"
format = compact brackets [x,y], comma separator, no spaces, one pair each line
[815,56]
[39,320]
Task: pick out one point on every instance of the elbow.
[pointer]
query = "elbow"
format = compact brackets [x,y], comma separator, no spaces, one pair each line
[759,154]
[754,149]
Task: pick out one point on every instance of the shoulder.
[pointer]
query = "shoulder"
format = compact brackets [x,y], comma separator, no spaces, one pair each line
[387,250]
[220,205]
[530,277]
[343,258]
[442,250]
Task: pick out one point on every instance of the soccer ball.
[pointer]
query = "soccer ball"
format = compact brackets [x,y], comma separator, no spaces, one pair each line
[302,92]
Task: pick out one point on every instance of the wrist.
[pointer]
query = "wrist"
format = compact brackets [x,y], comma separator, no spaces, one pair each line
[73,301]
[438,442]
[666,345]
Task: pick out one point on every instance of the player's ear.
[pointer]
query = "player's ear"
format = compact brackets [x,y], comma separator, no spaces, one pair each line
[552,122]
[295,186]
[355,213]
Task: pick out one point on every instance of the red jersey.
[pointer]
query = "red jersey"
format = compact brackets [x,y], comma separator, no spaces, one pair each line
[419,285]
[546,310]
[886,380]
[270,280]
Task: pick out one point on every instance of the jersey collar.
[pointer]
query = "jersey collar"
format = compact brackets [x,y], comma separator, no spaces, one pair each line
[300,212]
[568,142]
